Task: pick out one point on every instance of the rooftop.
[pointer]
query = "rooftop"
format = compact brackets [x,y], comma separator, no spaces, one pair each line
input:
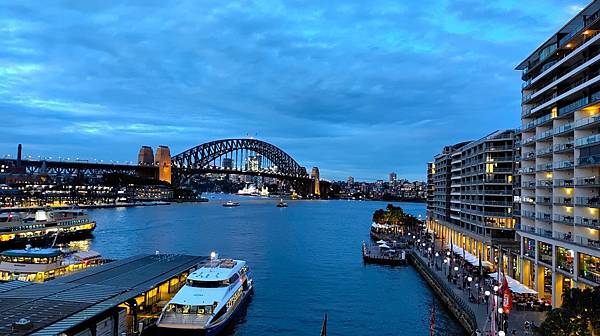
[222,270]
[58,305]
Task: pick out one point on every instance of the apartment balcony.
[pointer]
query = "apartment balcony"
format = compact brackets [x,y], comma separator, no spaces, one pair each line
[543,167]
[544,184]
[528,185]
[528,141]
[559,183]
[564,129]
[587,242]
[543,216]
[528,200]
[564,147]
[498,148]
[564,201]
[528,156]
[544,135]
[592,202]
[588,222]
[588,122]
[564,219]
[587,141]
[527,170]
[588,161]
[543,200]
[528,214]
[563,236]
[588,181]
[566,164]
[545,152]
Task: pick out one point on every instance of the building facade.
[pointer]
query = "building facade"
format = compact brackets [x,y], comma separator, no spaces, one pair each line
[560,159]
[472,198]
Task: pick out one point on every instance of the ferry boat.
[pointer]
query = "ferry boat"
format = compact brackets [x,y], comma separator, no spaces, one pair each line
[17,229]
[231,204]
[282,204]
[210,299]
[39,265]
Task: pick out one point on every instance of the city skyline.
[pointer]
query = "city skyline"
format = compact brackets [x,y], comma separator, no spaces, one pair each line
[348,83]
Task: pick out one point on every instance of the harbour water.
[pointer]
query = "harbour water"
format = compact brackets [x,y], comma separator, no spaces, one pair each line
[306,261]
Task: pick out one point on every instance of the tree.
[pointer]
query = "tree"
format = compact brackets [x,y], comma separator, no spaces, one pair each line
[578,315]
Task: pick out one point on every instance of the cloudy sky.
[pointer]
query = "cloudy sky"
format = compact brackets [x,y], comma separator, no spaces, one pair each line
[357,88]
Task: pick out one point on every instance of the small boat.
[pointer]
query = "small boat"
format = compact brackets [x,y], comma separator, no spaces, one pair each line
[231,204]
[210,299]
[282,204]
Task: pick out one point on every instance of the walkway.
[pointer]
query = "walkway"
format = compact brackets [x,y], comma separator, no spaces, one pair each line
[516,318]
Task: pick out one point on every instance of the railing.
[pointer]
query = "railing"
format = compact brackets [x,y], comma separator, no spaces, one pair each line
[563,146]
[585,241]
[568,201]
[543,200]
[544,135]
[527,170]
[545,151]
[563,129]
[563,182]
[568,237]
[544,183]
[528,184]
[588,160]
[590,222]
[573,106]
[528,214]
[529,155]
[588,181]
[589,140]
[543,232]
[586,121]
[588,201]
[563,164]
[543,166]
[563,219]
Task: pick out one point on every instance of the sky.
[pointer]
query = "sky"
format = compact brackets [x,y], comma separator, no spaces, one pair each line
[359,88]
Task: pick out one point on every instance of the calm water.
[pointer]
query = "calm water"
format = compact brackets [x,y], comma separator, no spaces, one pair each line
[306,260]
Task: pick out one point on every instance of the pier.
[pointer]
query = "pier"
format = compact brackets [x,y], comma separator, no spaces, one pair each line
[119,298]
[379,255]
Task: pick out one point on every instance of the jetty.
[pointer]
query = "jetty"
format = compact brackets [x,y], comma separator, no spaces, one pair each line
[383,254]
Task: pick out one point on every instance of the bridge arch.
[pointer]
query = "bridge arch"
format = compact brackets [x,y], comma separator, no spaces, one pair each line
[200,157]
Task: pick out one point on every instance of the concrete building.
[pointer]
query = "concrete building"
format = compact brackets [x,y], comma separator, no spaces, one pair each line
[559,229]
[393,178]
[472,199]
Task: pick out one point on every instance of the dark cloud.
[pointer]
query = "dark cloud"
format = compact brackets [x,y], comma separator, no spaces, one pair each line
[357,88]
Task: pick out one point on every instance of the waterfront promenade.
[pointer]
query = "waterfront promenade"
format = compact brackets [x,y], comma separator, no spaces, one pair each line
[516,319]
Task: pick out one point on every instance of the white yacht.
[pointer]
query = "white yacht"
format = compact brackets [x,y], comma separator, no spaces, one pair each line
[211,298]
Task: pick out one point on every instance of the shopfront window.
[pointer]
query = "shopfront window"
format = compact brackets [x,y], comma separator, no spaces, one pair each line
[529,247]
[564,259]
[589,267]
[545,253]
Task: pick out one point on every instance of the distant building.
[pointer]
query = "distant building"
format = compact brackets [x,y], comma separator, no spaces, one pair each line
[350,181]
[227,163]
[393,177]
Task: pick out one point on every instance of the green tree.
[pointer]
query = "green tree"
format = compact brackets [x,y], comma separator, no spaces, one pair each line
[578,315]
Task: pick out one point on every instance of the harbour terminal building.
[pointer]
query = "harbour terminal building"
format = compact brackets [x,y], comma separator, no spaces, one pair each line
[559,221]
[472,197]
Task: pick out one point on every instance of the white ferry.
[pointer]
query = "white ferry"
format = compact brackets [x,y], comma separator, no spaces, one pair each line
[20,229]
[211,298]
[39,265]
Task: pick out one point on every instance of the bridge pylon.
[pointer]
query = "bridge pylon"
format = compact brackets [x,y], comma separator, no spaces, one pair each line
[316,187]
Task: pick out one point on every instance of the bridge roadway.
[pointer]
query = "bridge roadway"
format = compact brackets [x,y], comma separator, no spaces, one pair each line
[95,296]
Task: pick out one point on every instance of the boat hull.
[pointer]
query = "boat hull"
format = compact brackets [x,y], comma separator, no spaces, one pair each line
[64,236]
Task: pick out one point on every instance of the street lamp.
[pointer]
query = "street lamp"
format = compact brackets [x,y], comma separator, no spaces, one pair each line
[487,299]
[501,333]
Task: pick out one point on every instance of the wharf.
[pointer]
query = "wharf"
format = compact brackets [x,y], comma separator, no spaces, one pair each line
[110,297]
[83,206]
[376,255]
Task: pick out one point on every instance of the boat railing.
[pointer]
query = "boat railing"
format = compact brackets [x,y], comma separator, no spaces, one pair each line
[179,318]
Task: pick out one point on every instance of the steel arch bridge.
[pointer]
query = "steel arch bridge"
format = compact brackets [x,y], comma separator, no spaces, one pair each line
[204,157]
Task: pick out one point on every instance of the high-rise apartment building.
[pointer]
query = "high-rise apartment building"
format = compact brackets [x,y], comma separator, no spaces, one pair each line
[559,229]
[393,178]
[472,198]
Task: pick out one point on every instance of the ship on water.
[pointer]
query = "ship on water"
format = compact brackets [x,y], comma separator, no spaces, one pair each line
[43,226]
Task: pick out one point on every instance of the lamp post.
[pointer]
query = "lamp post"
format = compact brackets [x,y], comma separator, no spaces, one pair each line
[487,301]
[469,279]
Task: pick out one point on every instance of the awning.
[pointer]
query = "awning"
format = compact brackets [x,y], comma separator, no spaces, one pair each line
[514,285]
[470,258]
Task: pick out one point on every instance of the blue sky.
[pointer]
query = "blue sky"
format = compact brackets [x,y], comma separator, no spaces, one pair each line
[357,88]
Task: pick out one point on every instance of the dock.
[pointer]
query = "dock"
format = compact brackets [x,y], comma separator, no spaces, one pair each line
[119,298]
[377,255]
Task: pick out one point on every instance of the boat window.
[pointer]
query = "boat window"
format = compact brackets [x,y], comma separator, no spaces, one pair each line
[207,284]
[187,309]
[234,278]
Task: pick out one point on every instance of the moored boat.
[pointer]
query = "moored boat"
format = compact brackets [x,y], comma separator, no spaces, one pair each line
[18,229]
[231,204]
[210,299]
[37,264]
[282,204]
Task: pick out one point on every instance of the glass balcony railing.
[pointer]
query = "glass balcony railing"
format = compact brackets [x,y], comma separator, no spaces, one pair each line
[563,147]
[563,164]
[543,232]
[567,201]
[568,237]
[587,121]
[543,200]
[544,151]
[563,182]
[543,166]
[544,183]
[528,214]
[563,219]
[588,201]
[585,241]
[589,160]
[589,140]
[588,181]
[563,129]
[591,222]
[544,135]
